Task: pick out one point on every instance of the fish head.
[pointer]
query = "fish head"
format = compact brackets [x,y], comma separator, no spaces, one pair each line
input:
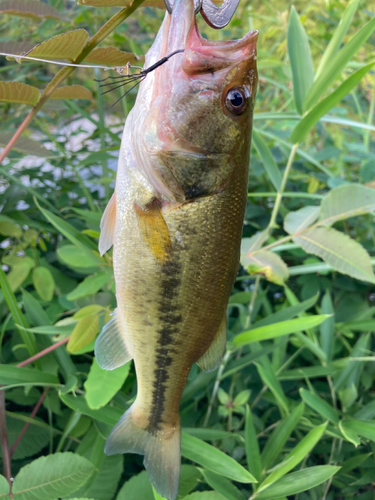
[199,106]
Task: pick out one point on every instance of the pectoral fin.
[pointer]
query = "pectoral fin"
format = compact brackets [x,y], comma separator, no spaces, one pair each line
[110,348]
[107,226]
[212,357]
[154,230]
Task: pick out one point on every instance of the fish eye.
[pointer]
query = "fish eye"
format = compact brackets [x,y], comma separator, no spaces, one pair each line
[235,100]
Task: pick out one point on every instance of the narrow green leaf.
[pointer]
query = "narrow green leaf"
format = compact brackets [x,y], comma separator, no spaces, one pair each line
[268,160]
[295,456]
[211,434]
[365,428]
[351,373]
[300,59]
[213,459]
[329,74]
[278,329]
[349,434]
[338,36]
[320,406]
[338,250]
[327,329]
[252,446]
[102,385]
[323,107]
[296,482]
[10,375]
[44,477]
[270,379]
[108,415]
[222,485]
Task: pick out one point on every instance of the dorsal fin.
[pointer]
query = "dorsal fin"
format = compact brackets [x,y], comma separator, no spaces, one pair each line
[107,226]
[154,230]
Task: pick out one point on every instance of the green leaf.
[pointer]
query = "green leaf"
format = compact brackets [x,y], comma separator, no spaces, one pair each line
[329,74]
[138,487]
[84,332]
[189,479]
[300,59]
[19,92]
[9,228]
[349,434]
[74,256]
[346,201]
[108,415]
[44,283]
[90,285]
[249,245]
[278,329]
[110,56]
[338,36]
[267,263]
[295,456]
[33,441]
[222,485]
[213,459]
[205,495]
[252,446]
[105,483]
[211,434]
[338,250]
[30,8]
[280,436]
[300,219]
[18,275]
[268,161]
[350,375]
[88,311]
[364,428]
[327,329]
[102,385]
[4,488]
[72,92]
[319,405]
[302,480]
[11,375]
[60,47]
[269,379]
[306,124]
[61,473]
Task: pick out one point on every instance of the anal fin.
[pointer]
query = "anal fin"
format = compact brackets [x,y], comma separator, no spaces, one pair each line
[107,226]
[110,348]
[212,357]
[154,230]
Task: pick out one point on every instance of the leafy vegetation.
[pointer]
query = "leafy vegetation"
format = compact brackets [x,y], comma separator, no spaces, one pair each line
[290,411]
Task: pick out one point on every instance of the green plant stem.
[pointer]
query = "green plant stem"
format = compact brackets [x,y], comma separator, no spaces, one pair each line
[286,195]
[279,196]
[109,26]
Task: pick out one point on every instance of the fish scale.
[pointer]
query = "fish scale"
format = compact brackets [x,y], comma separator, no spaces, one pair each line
[175,222]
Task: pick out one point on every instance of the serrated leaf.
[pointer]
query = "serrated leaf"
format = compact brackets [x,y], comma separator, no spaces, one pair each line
[267,160]
[90,285]
[11,47]
[44,283]
[26,145]
[312,117]
[30,8]
[66,46]
[249,245]
[213,459]
[338,36]
[105,485]
[300,219]
[295,456]
[19,92]
[299,481]
[110,56]
[46,477]
[72,92]
[102,385]
[278,329]
[267,263]
[346,201]
[338,62]
[300,59]
[338,250]
[84,332]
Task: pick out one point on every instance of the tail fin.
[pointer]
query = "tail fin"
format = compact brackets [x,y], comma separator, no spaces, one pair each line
[162,451]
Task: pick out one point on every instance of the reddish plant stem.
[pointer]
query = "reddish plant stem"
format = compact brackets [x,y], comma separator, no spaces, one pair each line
[65,72]
[26,426]
[43,353]
[4,440]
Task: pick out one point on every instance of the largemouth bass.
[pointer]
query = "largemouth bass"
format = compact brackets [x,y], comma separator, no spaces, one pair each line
[175,222]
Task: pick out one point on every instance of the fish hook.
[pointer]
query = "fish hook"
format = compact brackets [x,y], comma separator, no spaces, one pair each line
[216,17]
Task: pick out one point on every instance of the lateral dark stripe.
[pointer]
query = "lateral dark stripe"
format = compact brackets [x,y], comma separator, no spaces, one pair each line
[170,319]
